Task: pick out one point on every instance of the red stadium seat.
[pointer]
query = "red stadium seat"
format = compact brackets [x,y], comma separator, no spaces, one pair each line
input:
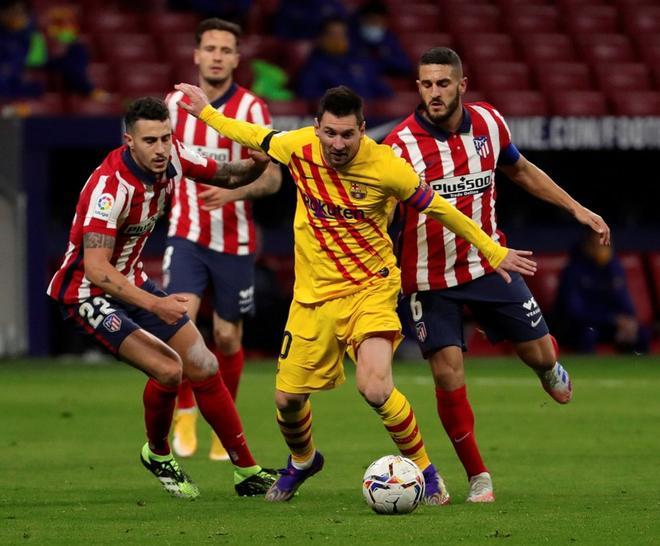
[473,96]
[102,76]
[636,103]
[655,72]
[648,46]
[642,19]
[84,106]
[613,77]
[503,76]
[467,19]
[554,77]
[546,48]
[169,22]
[293,55]
[405,22]
[592,19]
[153,79]
[50,104]
[112,22]
[179,47]
[128,48]
[400,106]
[296,107]
[578,103]
[545,283]
[416,44]
[185,73]
[638,286]
[597,48]
[487,49]
[519,103]
[525,19]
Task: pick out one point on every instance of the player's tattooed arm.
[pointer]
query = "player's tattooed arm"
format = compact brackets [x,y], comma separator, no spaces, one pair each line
[98,249]
[268,183]
[98,240]
[240,173]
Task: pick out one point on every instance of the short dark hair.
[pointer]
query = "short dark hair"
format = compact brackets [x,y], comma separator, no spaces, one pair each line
[215,23]
[149,108]
[341,101]
[441,55]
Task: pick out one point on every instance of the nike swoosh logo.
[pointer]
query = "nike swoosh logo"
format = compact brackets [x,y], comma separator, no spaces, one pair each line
[458,440]
[535,323]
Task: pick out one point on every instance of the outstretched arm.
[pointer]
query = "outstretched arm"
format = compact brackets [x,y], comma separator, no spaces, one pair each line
[536,182]
[247,134]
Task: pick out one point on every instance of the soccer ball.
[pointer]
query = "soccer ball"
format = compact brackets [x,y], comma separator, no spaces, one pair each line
[393,485]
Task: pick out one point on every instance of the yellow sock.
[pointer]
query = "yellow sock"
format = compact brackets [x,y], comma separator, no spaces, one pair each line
[296,428]
[399,420]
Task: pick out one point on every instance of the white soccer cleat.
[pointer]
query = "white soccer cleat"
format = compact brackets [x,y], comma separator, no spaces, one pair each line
[557,383]
[481,488]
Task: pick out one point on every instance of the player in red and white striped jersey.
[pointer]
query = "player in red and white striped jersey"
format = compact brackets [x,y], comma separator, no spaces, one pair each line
[102,288]
[212,236]
[456,148]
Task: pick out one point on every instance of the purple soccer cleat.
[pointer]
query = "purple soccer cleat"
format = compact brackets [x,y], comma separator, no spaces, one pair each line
[436,490]
[292,478]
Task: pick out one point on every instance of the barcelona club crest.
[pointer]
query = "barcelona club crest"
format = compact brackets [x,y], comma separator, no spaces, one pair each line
[358,191]
[482,146]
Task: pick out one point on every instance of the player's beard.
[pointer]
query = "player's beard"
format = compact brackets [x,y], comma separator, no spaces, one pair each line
[451,108]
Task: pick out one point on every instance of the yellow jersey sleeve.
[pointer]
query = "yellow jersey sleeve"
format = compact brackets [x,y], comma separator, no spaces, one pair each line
[404,182]
[248,134]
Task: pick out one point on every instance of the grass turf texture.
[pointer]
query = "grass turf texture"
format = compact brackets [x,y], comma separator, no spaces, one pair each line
[586,473]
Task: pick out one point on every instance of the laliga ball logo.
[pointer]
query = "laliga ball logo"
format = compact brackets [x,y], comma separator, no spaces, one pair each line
[393,485]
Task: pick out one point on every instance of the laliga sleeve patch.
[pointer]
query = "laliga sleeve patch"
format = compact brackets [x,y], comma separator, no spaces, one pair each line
[103,206]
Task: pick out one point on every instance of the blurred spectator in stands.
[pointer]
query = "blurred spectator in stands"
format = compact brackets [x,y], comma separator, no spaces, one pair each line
[594,304]
[303,19]
[231,10]
[23,46]
[332,63]
[371,38]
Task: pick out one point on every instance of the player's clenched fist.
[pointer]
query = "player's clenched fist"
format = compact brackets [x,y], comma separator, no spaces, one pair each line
[171,308]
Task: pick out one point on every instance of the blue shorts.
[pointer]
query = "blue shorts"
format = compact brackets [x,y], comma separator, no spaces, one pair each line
[110,321]
[504,311]
[190,268]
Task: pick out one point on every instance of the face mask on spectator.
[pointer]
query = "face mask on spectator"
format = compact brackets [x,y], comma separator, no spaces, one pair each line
[372,33]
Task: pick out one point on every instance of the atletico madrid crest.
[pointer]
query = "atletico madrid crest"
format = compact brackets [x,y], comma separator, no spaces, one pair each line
[358,191]
[481,145]
[420,328]
[112,323]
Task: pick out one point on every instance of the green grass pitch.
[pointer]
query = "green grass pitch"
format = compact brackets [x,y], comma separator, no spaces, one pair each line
[586,473]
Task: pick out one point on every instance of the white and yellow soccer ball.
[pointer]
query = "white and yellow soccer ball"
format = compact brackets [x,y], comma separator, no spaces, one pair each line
[393,485]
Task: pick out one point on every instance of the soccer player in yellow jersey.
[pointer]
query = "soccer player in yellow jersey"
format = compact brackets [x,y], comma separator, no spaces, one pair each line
[347,279]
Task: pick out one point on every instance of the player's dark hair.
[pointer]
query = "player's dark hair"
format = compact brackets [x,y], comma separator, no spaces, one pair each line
[149,108]
[341,101]
[215,23]
[441,55]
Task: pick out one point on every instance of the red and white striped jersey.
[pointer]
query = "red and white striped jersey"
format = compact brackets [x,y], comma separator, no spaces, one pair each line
[461,168]
[230,228]
[122,200]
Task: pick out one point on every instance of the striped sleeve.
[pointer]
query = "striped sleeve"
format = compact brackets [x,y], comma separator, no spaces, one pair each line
[195,165]
[106,202]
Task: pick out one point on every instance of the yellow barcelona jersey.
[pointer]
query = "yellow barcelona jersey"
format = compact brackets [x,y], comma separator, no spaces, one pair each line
[340,226]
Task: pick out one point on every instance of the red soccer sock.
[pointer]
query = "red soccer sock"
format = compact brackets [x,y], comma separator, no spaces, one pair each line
[159,403]
[185,399]
[217,407]
[458,419]
[231,367]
